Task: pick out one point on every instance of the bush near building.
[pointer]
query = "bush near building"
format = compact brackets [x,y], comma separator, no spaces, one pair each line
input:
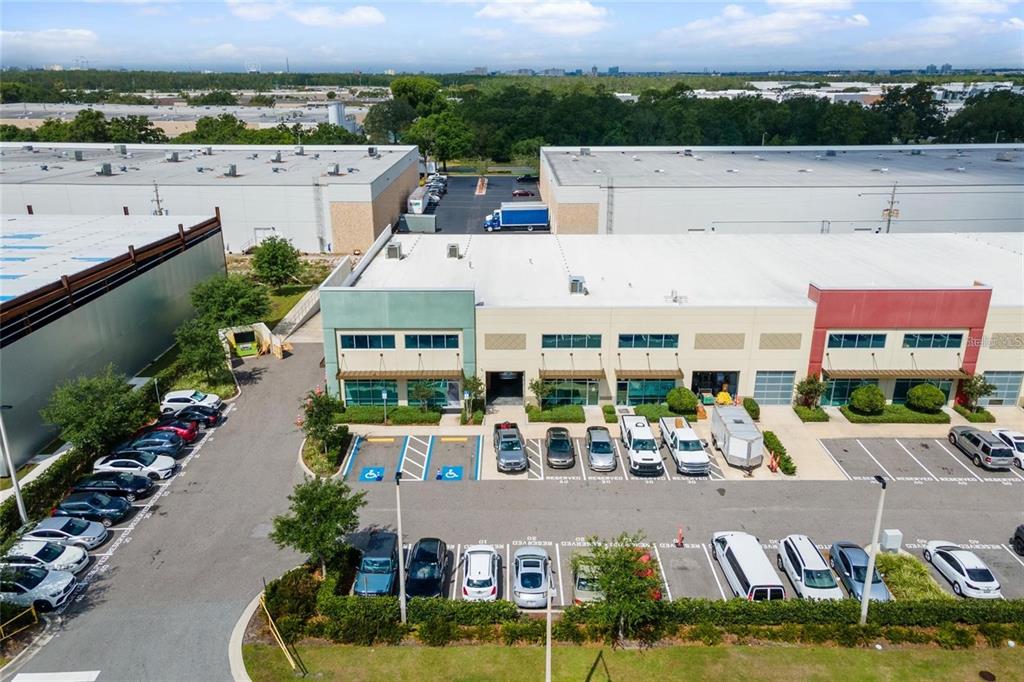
[810,389]
[895,414]
[655,411]
[773,444]
[682,400]
[752,408]
[610,414]
[981,416]
[867,400]
[566,414]
[810,414]
[400,414]
[926,398]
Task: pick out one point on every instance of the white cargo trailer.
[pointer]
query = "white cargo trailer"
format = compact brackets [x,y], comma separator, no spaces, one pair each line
[734,434]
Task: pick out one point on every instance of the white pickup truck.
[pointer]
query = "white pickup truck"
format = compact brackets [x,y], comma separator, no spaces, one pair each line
[644,457]
[687,449]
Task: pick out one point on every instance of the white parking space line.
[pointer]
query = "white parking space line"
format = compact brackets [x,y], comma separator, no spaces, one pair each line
[625,471]
[415,453]
[956,459]
[886,471]
[711,565]
[80,676]
[561,587]
[661,569]
[934,477]
[1013,554]
[579,460]
[835,461]
[535,459]
[666,465]
[1015,473]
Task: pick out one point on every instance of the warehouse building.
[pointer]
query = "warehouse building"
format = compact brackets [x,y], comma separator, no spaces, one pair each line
[323,198]
[78,293]
[673,190]
[623,319]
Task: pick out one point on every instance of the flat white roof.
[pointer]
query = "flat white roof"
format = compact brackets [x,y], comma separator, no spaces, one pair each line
[36,250]
[533,270]
[837,166]
[144,164]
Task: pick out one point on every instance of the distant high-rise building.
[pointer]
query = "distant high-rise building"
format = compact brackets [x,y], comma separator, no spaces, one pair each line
[946,68]
[613,71]
[931,69]
[477,71]
[593,70]
[553,72]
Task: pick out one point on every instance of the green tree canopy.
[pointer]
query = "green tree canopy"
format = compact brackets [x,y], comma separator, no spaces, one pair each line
[261,101]
[199,347]
[94,413]
[135,130]
[321,513]
[230,301]
[220,98]
[422,93]
[275,261]
[444,136]
[386,121]
[984,116]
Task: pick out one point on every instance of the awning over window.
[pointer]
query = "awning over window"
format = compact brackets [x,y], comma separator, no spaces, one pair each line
[936,374]
[649,374]
[572,374]
[400,374]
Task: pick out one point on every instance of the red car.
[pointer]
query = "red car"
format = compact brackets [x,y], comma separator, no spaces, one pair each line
[188,430]
[522,193]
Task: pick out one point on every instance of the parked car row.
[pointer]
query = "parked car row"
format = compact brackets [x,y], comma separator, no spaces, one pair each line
[39,569]
[750,575]
[437,187]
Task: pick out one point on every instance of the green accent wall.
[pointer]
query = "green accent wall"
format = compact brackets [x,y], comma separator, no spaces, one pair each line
[344,309]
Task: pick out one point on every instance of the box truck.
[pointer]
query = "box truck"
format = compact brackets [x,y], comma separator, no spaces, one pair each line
[518,215]
[734,434]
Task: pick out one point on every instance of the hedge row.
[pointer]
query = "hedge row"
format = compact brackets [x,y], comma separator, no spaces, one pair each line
[895,414]
[752,408]
[399,414]
[655,411]
[610,415]
[810,414]
[773,444]
[568,414]
[982,416]
[476,418]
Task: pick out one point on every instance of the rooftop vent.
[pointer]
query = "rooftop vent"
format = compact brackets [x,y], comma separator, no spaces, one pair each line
[577,285]
[394,251]
[278,169]
[171,157]
[123,169]
[636,158]
[43,166]
[317,155]
[806,170]
[120,149]
[207,151]
[915,152]
[597,170]
[659,170]
[584,151]
[879,170]
[334,169]
[26,147]
[351,169]
[275,157]
[371,151]
[453,251]
[758,157]
[830,152]
[299,151]
[687,152]
[79,155]
[731,170]
[104,169]
[231,171]
[961,169]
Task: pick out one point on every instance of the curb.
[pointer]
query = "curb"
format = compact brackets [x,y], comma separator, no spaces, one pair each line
[238,671]
[41,640]
[238,387]
[302,462]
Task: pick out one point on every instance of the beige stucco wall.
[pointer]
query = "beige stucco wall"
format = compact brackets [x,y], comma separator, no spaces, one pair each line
[577,218]
[1004,357]
[351,225]
[894,355]
[390,204]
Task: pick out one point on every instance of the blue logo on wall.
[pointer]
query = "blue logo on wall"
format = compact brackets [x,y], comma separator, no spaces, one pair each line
[371,474]
[450,474]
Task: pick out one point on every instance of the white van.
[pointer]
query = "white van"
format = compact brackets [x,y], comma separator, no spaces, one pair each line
[642,449]
[803,564]
[746,567]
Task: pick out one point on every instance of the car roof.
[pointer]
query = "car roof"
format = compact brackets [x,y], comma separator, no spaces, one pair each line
[1009,432]
[78,497]
[184,393]
[531,551]
[51,523]
[854,551]
[598,431]
[966,557]
[26,547]
[380,545]
[478,563]
[808,551]
[748,550]
[428,545]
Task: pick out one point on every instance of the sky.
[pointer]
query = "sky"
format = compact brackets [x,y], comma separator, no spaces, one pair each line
[455,35]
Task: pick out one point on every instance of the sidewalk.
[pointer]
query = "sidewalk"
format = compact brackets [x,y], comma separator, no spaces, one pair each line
[42,463]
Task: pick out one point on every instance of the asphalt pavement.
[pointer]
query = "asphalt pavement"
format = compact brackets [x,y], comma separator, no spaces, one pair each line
[462,211]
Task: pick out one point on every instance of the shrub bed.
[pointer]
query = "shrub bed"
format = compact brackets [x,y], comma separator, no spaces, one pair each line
[773,444]
[475,418]
[570,414]
[655,411]
[895,414]
[810,414]
[867,399]
[982,416]
[908,579]
[610,415]
[752,408]
[682,400]
[400,414]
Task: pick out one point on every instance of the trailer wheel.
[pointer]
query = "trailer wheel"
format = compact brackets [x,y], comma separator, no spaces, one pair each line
[529,228]
[489,229]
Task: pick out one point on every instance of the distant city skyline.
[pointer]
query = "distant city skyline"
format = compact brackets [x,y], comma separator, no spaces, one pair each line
[460,35]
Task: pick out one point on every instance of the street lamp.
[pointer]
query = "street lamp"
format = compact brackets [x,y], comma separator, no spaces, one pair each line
[384,397]
[401,546]
[547,646]
[865,597]
[10,466]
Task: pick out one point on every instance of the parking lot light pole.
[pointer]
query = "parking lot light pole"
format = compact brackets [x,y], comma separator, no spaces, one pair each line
[401,546]
[547,646]
[384,396]
[866,596]
[12,472]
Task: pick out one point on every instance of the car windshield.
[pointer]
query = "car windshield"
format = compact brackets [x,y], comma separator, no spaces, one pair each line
[75,526]
[30,577]
[198,395]
[510,445]
[600,447]
[690,446]
[586,584]
[820,579]
[145,458]
[424,570]
[371,565]
[560,445]
[980,575]
[644,444]
[860,574]
[531,580]
[49,552]
[1019,445]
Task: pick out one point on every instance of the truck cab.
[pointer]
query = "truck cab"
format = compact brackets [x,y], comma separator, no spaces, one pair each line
[641,447]
[509,448]
[688,451]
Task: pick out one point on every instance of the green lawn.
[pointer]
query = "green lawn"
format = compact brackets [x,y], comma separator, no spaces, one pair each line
[336,662]
[284,299]
[5,481]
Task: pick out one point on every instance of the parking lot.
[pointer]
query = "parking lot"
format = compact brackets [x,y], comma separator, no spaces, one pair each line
[462,211]
[447,459]
[914,460]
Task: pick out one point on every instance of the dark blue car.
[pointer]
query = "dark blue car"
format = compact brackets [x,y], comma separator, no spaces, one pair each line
[378,570]
[94,507]
[158,442]
[116,484]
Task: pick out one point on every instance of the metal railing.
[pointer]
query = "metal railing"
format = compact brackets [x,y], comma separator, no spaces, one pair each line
[20,621]
[289,653]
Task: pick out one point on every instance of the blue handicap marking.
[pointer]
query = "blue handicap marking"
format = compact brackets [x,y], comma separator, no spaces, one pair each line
[451,473]
[371,474]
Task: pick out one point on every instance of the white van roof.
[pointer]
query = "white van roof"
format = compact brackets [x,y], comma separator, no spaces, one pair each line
[808,551]
[750,554]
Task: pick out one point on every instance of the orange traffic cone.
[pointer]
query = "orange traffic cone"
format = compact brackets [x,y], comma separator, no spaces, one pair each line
[679,537]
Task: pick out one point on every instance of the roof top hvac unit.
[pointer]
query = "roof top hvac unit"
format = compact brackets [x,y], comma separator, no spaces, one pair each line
[171,157]
[207,151]
[453,251]
[275,157]
[120,149]
[584,151]
[299,151]
[79,155]
[1006,156]
[393,250]
[333,169]
[104,169]
[577,285]
[371,151]
[231,171]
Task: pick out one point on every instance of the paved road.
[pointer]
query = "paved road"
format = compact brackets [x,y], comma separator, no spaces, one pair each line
[165,606]
[462,212]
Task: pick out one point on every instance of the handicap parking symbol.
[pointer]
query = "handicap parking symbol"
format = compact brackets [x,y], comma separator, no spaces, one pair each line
[450,473]
[371,474]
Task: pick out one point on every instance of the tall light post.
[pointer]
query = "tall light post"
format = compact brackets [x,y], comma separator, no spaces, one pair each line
[547,646]
[10,466]
[384,397]
[866,596]
[401,545]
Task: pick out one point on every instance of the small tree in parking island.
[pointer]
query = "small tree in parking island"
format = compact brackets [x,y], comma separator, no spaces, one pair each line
[322,511]
[540,390]
[319,411]
[420,393]
[93,413]
[199,347]
[974,388]
[230,301]
[275,261]
[810,389]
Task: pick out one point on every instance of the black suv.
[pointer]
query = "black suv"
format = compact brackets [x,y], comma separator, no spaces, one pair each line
[116,484]
[428,564]
[1018,540]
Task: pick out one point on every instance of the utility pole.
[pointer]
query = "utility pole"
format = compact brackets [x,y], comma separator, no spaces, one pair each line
[401,545]
[889,211]
[156,193]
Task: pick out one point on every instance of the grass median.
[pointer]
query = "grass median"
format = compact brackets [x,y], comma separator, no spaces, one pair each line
[337,662]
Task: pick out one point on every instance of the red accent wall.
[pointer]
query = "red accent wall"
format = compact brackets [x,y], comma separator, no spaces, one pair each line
[899,309]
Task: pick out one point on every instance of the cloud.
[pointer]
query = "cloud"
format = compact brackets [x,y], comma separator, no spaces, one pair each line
[975,6]
[254,11]
[569,18]
[230,51]
[822,5]
[962,25]
[789,25]
[484,33]
[360,15]
[67,39]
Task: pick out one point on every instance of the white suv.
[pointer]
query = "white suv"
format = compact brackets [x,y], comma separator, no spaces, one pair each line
[480,573]
[177,400]
[48,555]
[641,447]
[807,570]
[33,586]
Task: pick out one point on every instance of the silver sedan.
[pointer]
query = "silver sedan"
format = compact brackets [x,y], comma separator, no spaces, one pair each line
[532,577]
